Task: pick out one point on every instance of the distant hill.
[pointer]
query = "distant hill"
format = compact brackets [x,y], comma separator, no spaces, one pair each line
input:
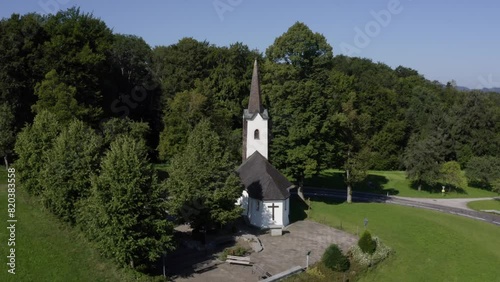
[494,89]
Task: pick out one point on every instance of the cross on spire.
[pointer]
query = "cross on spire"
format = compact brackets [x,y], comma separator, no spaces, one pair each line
[255,103]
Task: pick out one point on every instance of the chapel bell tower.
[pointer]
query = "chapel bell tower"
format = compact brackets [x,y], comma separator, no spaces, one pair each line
[255,121]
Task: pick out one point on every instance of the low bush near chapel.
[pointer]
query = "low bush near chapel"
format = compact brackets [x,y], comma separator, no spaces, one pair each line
[365,259]
[334,259]
[366,243]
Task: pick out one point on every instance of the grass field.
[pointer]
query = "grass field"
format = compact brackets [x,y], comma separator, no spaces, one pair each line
[394,183]
[47,250]
[485,205]
[429,246]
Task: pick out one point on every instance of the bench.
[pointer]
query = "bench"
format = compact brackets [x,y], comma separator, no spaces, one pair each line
[283,274]
[239,260]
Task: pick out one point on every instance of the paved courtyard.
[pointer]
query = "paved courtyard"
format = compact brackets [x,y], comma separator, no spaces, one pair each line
[282,252]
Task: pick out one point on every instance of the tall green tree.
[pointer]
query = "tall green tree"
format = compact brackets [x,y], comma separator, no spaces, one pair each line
[307,51]
[184,112]
[202,184]
[355,151]
[178,66]
[71,161]
[7,132]
[125,213]
[78,49]
[452,175]
[21,52]
[297,111]
[32,143]
[422,161]
[59,98]
[483,171]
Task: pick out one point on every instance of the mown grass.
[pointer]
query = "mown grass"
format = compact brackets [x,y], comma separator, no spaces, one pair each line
[47,250]
[485,205]
[392,183]
[428,246]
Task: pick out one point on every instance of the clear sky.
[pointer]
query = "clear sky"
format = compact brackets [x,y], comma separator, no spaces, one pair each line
[442,39]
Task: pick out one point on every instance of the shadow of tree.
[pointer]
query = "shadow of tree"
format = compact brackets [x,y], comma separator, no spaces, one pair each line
[436,188]
[480,185]
[375,184]
[335,180]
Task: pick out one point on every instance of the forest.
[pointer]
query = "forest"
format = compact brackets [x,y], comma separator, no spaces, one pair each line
[86,113]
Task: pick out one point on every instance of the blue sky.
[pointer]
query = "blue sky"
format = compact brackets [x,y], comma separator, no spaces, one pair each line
[442,39]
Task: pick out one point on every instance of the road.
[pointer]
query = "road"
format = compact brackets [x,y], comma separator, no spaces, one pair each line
[452,206]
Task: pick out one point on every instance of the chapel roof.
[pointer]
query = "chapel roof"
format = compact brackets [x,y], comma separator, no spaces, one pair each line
[262,180]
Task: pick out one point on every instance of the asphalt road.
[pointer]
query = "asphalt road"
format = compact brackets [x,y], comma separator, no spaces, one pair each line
[414,202]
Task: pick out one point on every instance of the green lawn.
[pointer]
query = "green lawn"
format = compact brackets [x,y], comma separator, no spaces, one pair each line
[394,183]
[429,246]
[485,205]
[47,250]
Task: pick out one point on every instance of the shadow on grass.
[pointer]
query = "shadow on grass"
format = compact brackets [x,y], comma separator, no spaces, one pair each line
[481,185]
[335,180]
[436,188]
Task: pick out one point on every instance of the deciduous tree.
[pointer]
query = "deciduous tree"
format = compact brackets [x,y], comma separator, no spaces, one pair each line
[65,176]
[202,185]
[125,214]
[452,175]
[31,145]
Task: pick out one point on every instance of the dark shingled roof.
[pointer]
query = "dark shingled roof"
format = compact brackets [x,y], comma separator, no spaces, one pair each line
[255,104]
[262,181]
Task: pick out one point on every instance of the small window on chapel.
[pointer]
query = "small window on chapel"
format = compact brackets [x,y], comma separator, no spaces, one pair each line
[256,134]
[258,204]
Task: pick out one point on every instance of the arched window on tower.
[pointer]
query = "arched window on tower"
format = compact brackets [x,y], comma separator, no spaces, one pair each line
[256,135]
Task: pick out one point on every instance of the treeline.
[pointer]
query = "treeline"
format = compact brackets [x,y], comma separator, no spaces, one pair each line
[85,111]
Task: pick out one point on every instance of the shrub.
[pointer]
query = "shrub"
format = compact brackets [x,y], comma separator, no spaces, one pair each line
[367,260]
[233,251]
[366,243]
[334,259]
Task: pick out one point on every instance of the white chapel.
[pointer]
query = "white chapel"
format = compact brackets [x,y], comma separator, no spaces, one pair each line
[266,198]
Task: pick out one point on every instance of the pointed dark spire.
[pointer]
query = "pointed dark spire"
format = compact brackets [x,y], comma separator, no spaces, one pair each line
[255,104]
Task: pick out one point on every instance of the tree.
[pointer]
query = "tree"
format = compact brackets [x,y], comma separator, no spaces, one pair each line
[78,49]
[307,51]
[31,144]
[203,185]
[451,174]
[7,132]
[185,111]
[483,171]
[125,213]
[71,161]
[57,97]
[422,161]
[355,152]
[133,90]
[115,127]
[21,53]
[297,110]
[178,66]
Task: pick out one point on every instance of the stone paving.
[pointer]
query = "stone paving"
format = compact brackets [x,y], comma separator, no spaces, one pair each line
[281,252]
